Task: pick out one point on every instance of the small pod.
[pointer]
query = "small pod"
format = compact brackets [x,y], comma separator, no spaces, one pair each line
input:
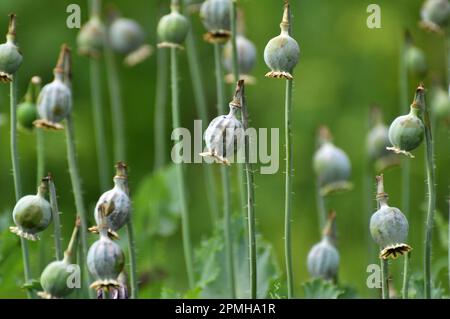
[27,110]
[10,56]
[416,61]
[282,53]
[331,165]
[323,258]
[215,15]
[435,14]
[125,35]
[246,59]
[32,214]
[173,29]
[55,277]
[388,226]
[91,38]
[440,104]
[406,132]
[115,202]
[105,260]
[224,136]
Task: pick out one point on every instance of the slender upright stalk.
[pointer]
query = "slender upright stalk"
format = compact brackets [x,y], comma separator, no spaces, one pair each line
[288,190]
[225,178]
[180,173]
[385,278]
[132,256]
[448,249]
[160,109]
[40,152]
[56,222]
[250,194]
[115,97]
[321,207]
[202,111]
[405,287]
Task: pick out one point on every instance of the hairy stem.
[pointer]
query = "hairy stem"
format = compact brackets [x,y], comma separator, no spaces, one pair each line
[405,287]
[385,278]
[160,109]
[59,254]
[180,173]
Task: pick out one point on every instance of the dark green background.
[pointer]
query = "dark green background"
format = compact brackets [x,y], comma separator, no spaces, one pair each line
[344,68]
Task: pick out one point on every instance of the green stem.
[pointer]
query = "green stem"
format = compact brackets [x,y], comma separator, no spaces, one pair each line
[431,201]
[385,278]
[99,124]
[160,109]
[405,286]
[76,188]
[16,175]
[56,222]
[225,177]
[180,172]
[250,200]
[321,208]
[132,255]
[115,96]
[40,172]
[288,190]
[202,111]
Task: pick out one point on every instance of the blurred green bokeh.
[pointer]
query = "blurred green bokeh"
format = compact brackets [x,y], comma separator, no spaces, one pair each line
[345,67]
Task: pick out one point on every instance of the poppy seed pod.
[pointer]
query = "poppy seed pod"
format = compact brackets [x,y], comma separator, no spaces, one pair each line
[331,165]
[115,202]
[224,135]
[54,279]
[10,56]
[435,14]
[105,259]
[215,15]
[173,29]
[91,38]
[406,132]
[388,226]
[416,61]
[32,214]
[323,258]
[440,104]
[27,110]
[246,59]
[125,35]
[282,52]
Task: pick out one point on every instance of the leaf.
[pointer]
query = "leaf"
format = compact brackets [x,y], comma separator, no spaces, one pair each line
[157,204]
[319,288]
[212,274]
[416,290]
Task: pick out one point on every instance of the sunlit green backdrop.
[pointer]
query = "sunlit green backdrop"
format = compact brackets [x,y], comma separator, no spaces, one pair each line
[345,67]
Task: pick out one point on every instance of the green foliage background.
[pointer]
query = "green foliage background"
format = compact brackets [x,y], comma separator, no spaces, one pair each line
[345,67]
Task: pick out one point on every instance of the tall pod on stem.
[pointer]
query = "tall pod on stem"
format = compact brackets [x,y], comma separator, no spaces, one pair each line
[215,15]
[172,31]
[281,56]
[202,110]
[91,40]
[10,61]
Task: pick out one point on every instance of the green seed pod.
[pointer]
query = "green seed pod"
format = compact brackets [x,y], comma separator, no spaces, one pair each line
[224,136]
[440,104]
[323,258]
[215,15]
[27,110]
[91,38]
[416,61]
[246,59]
[282,52]
[116,201]
[435,14]
[55,100]
[173,29]
[56,276]
[10,56]
[406,132]
[388,226]
[331,165]
[125,35]
[32,214]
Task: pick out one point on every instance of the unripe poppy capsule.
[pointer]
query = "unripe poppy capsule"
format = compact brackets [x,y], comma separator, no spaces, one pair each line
[173,29]
[282,52]
[125,35]
[246,59]
[91,38]
[32,214]
[440,104]
[215,15]
[416,61]
[10,56]
[435,14]
[27,110]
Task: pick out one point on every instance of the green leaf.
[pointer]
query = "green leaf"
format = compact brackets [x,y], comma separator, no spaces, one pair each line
[156,204]
[321,289]
[210,261]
